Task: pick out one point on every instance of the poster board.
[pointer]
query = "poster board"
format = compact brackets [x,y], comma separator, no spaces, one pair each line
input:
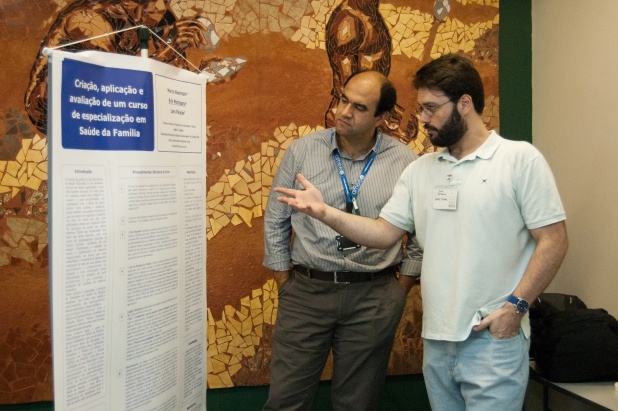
[127,157]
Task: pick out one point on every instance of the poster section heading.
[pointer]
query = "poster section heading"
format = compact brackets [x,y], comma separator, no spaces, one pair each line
[106,108]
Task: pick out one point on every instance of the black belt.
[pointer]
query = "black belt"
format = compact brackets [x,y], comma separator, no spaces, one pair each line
[345,276]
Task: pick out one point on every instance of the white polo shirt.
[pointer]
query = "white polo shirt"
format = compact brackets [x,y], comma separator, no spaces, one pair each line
[474,254]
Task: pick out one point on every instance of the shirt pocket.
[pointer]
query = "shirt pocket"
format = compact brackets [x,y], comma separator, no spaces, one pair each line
[317,172]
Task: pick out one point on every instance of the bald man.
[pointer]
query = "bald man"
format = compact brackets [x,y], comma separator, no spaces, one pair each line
[333,293]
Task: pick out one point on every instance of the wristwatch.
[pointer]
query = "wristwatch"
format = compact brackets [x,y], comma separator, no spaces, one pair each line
[521,305]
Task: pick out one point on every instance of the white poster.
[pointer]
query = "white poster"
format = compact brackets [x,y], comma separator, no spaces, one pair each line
[128,244]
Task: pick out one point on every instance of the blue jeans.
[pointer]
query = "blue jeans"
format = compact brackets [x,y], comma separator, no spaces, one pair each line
[479,373]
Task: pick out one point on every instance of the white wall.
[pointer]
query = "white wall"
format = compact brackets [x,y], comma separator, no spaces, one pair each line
[575,125]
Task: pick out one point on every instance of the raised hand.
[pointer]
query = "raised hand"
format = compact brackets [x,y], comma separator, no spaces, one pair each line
[365,231]
[308,201]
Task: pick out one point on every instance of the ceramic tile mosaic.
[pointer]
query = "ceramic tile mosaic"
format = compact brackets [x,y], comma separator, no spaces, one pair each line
[239,335]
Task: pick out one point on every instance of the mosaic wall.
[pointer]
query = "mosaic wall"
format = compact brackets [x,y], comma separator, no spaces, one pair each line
[277,68]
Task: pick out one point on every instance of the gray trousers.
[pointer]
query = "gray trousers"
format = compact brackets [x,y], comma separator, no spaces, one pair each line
[357,321]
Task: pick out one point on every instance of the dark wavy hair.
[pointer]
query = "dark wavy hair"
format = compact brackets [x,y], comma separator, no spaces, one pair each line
[453,75]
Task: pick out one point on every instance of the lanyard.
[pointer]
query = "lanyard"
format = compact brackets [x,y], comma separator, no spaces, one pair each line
[350,195]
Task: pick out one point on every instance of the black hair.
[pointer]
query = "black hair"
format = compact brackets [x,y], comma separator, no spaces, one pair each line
[454,75]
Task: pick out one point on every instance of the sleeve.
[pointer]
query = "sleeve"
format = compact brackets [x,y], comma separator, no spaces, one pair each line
[277,218]
[398,209]
[413,257]
[537,195]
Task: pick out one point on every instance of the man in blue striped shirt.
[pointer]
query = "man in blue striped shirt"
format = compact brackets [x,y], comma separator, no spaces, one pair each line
[333,293]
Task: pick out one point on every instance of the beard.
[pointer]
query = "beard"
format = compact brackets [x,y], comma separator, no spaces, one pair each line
[451,132]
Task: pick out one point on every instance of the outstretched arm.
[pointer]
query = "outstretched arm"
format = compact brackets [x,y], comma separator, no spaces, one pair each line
[365,231]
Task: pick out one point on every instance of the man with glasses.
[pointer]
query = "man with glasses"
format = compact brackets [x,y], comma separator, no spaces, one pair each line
[333,293]
[488,215]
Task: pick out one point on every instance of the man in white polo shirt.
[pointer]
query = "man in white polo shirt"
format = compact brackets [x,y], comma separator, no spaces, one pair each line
[488,215]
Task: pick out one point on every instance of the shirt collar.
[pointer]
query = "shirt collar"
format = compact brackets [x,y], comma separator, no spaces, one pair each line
[333,144]
[485,151]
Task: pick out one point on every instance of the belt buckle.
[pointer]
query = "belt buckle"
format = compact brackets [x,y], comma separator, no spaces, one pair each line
[337,281]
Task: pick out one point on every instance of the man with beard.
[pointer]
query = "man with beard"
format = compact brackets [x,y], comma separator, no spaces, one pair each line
[333,293]
[487,213]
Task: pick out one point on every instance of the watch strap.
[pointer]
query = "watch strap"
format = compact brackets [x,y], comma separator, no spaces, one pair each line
[521,305]
[512,299]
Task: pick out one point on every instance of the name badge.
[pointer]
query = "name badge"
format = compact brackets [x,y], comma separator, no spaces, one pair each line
[445,198]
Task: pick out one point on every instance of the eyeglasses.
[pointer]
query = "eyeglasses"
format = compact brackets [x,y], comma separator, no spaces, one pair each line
[430,109]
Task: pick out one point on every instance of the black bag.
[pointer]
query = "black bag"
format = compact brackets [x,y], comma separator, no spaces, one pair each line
[549,303]
[578,345]
[542,307]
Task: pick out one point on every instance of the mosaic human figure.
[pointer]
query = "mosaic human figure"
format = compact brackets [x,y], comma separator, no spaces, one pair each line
[356,39]
[87,19]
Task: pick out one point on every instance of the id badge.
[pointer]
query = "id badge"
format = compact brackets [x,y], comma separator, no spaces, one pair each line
[344,244]
[445,198]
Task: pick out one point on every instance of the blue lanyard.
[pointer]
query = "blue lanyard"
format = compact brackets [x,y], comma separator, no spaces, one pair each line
[350,195]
